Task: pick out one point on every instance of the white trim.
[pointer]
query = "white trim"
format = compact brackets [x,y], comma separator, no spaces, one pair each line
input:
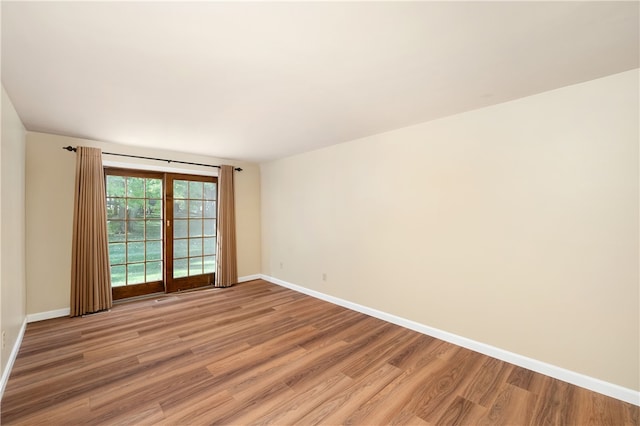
[249,278]
[600,386]
[164,169]
[12,358]
[40,316]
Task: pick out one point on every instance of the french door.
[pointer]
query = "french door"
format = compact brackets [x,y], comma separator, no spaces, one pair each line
[161,230]
[190,247]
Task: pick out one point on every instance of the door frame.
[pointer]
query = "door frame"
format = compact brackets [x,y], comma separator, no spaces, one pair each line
[168,284]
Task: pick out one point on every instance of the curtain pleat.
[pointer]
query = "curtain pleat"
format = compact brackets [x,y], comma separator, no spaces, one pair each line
[90,275]
[227,264]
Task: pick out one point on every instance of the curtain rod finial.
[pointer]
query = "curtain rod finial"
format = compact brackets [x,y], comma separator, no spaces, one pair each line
[69,148]
[238,169]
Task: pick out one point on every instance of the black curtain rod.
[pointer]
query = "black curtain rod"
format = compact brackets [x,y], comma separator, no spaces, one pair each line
[70,148]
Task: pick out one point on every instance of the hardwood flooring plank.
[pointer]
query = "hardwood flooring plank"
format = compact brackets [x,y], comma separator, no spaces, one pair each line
[145,414]
[214,337]
[485,385]
[406,417]
[25,374]
[262,399]
[513,406]
[160,392]
[430,400]
[242,364]
[340,405]
[76,384]
[407,356]
[336,332]
[460,412]
[198,410]
[289,412]
[552,406]
[244,385]
[339,317]
[333,360]
[377,353]
[597,410]
[156,375]
[526,379]
[65,413]
[395,396]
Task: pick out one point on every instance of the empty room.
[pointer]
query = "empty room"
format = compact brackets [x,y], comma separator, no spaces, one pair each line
[320,212]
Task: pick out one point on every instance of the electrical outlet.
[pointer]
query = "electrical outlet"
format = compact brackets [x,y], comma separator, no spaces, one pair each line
[324,276]
[4,338]
[280,265]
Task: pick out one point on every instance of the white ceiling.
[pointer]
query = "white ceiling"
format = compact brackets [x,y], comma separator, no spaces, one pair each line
[257,81]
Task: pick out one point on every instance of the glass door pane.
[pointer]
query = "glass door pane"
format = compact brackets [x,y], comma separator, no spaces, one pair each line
[135,233]
[192,207]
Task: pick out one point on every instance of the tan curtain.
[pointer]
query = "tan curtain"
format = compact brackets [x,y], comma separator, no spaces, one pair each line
[227,270]
[90,276]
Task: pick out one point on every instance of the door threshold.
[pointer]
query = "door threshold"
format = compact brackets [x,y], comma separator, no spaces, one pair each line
[164,294]
[142,297]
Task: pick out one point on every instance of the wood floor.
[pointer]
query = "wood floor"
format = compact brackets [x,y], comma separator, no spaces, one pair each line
[262,354]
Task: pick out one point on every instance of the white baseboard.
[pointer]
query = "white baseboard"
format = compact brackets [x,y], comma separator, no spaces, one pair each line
[578,379]
[12,358]
[249,278]
[40,316]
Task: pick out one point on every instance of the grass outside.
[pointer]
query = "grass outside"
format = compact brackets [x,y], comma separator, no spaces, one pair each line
[138,273]
[136,261]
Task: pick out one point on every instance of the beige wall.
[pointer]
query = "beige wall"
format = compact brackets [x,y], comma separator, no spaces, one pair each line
[50,181]
[514,225]
[12,227]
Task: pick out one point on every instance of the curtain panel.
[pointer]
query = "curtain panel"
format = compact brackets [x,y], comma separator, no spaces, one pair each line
[227,265]
[90,275]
